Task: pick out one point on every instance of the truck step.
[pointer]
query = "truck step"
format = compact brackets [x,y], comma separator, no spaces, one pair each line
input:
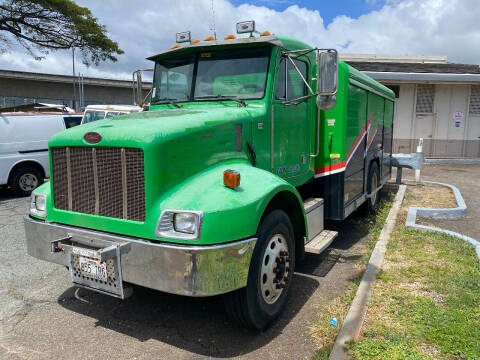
[314,212]
[320,242]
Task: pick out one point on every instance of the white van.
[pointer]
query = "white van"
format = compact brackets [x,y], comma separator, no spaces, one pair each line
[24,147]
[99,112]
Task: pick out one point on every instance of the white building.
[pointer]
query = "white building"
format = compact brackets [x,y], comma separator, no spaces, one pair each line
[436,100]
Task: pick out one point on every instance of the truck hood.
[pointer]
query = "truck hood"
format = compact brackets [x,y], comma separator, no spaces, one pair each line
[149,128]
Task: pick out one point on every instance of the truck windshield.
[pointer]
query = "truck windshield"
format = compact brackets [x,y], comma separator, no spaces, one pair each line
[212,75]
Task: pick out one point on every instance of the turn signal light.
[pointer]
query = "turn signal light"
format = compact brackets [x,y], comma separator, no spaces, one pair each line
[231,179]
[194,42]
[229,37]
[176,46]
[265,33]
[209,38]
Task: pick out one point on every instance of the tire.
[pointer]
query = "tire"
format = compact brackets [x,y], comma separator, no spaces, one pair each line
[372,183]
[24,180]
[270,275]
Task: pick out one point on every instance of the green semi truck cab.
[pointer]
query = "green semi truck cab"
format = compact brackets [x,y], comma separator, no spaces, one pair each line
[248,145]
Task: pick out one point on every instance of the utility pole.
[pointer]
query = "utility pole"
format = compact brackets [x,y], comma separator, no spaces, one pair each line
[73,79]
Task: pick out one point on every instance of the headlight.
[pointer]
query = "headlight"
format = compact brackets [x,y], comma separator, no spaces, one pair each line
[38,205]
[185,223]
[179,224]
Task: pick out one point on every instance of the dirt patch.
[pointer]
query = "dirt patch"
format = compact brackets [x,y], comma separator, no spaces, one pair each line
[429,196]
[419,289]
[429,350]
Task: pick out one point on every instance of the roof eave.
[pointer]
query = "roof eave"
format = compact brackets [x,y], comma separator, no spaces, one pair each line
[433,77]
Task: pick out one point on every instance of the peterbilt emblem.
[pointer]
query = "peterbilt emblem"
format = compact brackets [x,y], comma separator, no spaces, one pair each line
[92,137]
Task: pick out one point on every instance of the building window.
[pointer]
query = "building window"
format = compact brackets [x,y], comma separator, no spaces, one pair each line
[474,107]
[395,89]
[425,95]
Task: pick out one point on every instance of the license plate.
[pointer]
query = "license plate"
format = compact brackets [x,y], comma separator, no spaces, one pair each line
[93,268]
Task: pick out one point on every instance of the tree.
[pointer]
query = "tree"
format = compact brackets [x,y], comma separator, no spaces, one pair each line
[47,25]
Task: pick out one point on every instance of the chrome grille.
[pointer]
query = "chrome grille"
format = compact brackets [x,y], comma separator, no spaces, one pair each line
[105,181]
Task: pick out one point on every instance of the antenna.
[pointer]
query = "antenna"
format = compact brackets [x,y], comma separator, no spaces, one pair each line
[213,22]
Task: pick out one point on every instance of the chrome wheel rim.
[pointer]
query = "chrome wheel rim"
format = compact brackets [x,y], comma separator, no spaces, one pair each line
[28,182]
[372,190]
[275,269]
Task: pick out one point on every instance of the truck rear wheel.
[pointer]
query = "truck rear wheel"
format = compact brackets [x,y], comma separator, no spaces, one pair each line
[373,182]
[269,277]
[24,180]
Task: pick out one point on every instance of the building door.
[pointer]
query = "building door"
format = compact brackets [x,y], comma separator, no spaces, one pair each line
[424,119]
[291,138]
[472,137]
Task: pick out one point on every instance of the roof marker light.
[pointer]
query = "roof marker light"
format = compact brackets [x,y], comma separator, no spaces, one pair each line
[246,27]
[183,37]
[176,46]
[265,33]
[209,38]
[194,42]
[229,37]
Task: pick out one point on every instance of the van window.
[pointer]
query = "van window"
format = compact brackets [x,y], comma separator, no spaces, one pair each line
[91,115]
[289,83]
[71,121]
[112,114]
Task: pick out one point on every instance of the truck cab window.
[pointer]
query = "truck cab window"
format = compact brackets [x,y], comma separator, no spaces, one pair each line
[289,83]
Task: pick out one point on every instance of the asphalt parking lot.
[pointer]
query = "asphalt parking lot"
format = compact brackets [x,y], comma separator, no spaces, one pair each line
[44,317]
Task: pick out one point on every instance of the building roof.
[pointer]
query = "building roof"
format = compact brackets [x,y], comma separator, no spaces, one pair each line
[24,75]
[437,68]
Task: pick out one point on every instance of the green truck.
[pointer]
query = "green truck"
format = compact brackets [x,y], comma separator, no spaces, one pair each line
[223,185]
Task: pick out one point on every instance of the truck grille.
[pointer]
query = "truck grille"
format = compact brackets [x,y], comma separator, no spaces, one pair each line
[106,181]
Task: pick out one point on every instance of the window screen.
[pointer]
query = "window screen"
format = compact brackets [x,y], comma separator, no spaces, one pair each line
[425,95]
[475,100]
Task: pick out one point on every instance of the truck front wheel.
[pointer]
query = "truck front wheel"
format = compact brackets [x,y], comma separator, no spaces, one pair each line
[269,277]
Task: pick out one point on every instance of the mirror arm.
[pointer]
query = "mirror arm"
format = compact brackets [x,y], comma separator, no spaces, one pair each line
[298,100]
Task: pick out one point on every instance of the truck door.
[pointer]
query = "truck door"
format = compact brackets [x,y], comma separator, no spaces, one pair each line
[290,121]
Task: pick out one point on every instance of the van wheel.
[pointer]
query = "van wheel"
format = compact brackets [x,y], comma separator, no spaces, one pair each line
[269,277]
[372,183]
[24,180]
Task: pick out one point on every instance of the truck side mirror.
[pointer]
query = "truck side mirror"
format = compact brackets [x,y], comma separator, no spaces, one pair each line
[327,76]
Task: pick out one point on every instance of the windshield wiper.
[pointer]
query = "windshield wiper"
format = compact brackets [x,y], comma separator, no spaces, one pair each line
[167,101]
[221,97]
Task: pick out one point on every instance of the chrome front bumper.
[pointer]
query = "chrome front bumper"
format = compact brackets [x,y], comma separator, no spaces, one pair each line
[179,269]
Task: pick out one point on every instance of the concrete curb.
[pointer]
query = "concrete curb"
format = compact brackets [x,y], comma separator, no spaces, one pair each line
[459,211]
[356,314]
[452,161]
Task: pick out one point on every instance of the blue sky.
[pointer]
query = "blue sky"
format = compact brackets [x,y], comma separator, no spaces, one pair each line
[329,9]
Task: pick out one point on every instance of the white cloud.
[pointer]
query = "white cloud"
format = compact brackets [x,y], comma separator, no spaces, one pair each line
[440,27]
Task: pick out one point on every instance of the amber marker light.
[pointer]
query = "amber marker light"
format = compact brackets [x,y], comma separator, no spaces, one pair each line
[231,179]
[265,33]
[229,37]
[176,46]
[209,38]
[194,42]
